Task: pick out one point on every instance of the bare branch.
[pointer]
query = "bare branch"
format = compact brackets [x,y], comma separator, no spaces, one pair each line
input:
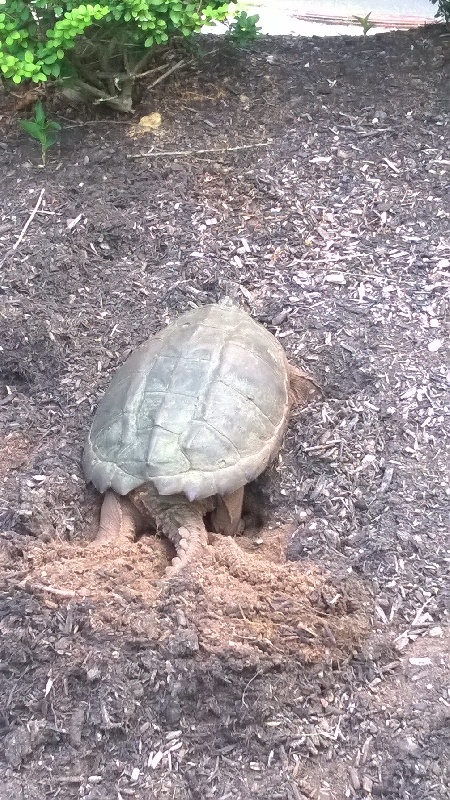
[161,153]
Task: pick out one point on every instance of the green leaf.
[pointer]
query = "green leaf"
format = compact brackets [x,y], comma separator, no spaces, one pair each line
[32,129]
[51,140]
[39,113]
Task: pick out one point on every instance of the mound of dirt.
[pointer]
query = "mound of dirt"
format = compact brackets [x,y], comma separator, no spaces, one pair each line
[235,603]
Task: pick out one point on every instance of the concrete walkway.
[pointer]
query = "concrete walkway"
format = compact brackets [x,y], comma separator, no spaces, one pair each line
[334,17]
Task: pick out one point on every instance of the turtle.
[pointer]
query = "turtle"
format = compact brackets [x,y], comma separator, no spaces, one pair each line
[194,414]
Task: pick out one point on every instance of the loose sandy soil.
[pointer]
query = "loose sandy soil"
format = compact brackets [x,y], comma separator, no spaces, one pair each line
[310,658]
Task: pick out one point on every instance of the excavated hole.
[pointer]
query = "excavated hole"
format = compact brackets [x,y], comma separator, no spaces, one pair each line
[254,516]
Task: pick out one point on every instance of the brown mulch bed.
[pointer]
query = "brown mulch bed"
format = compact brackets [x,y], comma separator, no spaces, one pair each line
[325,212]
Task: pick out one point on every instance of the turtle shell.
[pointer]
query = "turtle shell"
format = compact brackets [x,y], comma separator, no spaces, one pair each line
[200,408]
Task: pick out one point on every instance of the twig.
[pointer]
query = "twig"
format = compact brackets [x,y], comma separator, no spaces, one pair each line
[29,220]
[178,65]
[376,132]
[148,71]
[325,446]
[258,672]
[50,589]
[141,64]
[159,153]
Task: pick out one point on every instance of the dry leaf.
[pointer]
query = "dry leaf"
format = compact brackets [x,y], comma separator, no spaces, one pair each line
[147,124]
[151,122]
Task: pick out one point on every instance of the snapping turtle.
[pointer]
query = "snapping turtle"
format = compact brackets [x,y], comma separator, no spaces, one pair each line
[195,413]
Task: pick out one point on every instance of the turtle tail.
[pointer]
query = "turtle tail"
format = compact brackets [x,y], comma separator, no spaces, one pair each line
[188,535]
[182,523]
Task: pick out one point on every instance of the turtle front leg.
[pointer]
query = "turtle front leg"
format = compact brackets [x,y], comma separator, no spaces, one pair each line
[180,521]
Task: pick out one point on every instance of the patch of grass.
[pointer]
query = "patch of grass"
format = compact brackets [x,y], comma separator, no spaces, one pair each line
[365,23]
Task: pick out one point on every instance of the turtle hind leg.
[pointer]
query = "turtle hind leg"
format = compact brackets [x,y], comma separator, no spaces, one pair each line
[227,516]
[119,522]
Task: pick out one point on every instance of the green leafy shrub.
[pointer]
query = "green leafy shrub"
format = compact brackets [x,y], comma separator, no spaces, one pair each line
[98,50]
[244,28]
[42,129]
[443,9]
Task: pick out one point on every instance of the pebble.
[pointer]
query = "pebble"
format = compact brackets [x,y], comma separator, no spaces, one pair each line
[336,277]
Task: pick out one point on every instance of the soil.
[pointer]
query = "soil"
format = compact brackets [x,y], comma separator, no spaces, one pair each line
[309,180]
